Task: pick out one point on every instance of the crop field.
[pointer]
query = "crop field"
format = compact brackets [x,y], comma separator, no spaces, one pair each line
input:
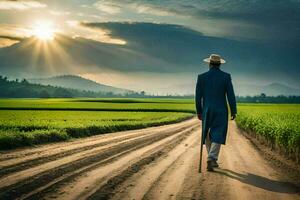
[35,121]
[279,123]
[114,104]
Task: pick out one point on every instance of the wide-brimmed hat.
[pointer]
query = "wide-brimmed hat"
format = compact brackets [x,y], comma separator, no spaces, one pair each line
[214,59]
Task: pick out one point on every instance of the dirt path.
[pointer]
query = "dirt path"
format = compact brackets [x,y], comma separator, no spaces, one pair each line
[153,163]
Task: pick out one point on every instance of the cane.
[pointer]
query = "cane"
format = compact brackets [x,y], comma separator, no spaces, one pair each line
[201,149]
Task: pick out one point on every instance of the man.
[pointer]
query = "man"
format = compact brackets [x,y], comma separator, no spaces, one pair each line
[212,89]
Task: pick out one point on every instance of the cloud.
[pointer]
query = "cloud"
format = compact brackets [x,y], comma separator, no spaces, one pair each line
[275,19]
[6,41]
[178,49]
[243,19]
[11,37]
[150,9]
[116,6]
[59,13]
[20,5]
[108,7]
[94,33]
[11,34]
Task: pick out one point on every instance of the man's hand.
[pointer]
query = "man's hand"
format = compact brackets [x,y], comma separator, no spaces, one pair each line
[200,117]
[233,116]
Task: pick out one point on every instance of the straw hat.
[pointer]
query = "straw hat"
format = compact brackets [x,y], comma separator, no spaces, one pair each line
[214,58]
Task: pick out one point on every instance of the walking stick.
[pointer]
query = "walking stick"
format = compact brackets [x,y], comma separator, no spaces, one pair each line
[201,149]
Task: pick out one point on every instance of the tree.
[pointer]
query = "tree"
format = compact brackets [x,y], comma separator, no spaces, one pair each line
[263,95]
[24,82]
[44,94]
[62,93]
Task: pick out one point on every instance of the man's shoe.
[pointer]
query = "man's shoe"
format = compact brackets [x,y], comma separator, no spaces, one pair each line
[215,164]
[210,166]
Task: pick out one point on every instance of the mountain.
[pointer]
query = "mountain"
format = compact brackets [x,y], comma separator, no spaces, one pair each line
[272,89]
[79,83]
[10,88]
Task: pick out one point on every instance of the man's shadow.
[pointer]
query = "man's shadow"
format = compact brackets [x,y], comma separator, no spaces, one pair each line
[261,182]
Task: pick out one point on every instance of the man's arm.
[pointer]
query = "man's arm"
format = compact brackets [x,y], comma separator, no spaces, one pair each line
[198,98]
[231,98]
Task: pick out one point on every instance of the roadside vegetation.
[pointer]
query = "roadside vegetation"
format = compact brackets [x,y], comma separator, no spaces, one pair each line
[279,124]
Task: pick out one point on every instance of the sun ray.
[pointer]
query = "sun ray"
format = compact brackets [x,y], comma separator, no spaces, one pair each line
[60,53]
[48,48]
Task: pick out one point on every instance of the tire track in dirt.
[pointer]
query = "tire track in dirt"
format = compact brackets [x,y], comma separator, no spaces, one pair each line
[105,170]
[164,177]
[42,177]
[29,163]
[33,158]
[170,183]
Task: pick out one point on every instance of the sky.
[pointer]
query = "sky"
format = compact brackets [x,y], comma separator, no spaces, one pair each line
[151,45]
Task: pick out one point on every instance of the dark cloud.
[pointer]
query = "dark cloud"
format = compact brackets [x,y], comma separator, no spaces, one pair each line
[179,45]
[276,19]
[260,19]
[167,42]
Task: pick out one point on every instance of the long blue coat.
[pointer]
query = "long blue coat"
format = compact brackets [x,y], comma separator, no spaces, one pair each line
[212,89]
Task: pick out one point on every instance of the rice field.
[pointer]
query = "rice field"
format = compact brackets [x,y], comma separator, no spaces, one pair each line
[279,123]
[35,121]
[98,104]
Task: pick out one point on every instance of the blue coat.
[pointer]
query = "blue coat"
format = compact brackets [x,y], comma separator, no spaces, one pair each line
[212,89]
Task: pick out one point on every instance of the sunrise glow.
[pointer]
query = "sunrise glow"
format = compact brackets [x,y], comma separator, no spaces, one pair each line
[44,30]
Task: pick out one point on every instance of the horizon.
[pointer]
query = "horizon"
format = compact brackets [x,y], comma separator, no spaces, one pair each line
[156,47]
[272,90]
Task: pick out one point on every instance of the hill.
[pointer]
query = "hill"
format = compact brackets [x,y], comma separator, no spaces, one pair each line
[25,89]
[272,89]
[79,83]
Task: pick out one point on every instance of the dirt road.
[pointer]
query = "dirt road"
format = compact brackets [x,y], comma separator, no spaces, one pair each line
[153,163]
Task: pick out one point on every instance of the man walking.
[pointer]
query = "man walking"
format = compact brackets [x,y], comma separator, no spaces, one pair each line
[212,89]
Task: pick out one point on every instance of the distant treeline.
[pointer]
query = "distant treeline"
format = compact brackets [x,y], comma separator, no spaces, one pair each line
[263,98]
[24,89]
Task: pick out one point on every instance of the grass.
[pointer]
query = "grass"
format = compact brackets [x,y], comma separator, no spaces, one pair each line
[279,123]
[21,128]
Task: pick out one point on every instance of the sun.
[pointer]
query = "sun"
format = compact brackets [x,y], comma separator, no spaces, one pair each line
[44,30]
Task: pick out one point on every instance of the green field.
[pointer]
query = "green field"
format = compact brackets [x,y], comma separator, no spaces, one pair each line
[35,121]
[114,104]
[279,123]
